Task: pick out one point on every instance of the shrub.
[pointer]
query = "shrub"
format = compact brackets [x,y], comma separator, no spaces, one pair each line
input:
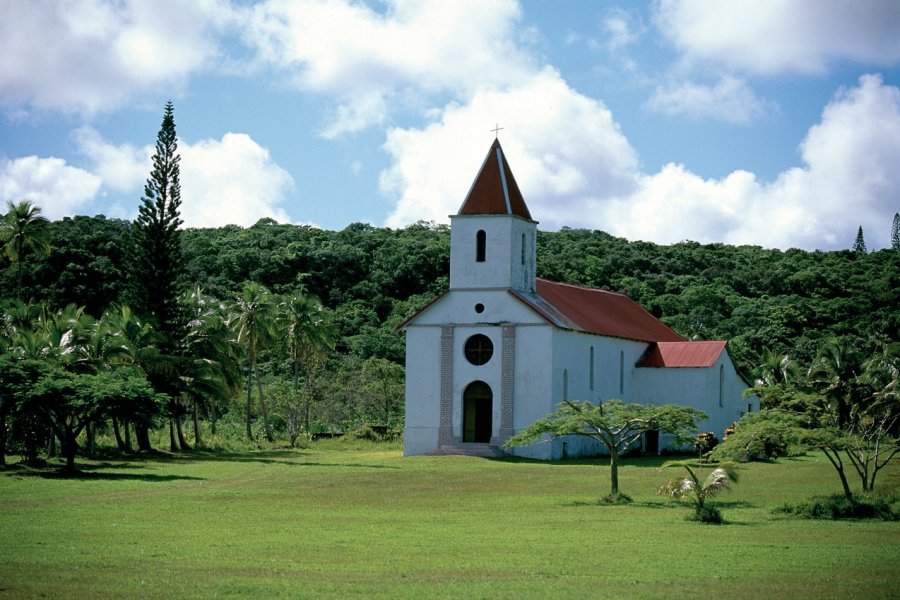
[839,507]
[764,435]
[705,442]
[706,514]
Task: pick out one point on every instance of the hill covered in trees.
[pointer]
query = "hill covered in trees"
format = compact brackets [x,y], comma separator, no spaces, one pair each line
[372,278]
[767,303]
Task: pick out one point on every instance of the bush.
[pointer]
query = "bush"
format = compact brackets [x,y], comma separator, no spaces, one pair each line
[764,435]
[616,499]
[705,442]
[706,514]
[839,507]
[373,433]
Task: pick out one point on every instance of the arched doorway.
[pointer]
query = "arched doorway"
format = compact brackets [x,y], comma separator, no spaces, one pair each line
[477,409]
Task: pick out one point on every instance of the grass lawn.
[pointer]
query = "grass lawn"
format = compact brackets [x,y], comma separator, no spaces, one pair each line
[329,522]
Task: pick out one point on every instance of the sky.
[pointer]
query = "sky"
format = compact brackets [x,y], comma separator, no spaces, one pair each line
[773,123]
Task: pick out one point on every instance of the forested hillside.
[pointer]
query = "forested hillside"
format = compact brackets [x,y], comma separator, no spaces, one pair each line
[370,279]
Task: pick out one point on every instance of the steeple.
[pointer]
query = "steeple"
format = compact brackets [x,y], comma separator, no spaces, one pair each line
[494,191]
[492,237]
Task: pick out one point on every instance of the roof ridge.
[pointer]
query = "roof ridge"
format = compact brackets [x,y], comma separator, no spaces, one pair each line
[585,287]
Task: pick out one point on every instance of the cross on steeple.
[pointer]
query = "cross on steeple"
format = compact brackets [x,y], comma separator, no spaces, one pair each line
[496,129]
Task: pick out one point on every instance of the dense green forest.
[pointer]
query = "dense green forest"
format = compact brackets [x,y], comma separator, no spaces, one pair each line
[369,279]
[373,278]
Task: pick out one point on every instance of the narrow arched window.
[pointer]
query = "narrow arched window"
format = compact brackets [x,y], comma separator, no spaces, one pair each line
[591,366]
[621,372]
[565,384]
[480,245]
[721,385]
[523,248]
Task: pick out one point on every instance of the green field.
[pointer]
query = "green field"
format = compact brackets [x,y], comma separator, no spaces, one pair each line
[331,522]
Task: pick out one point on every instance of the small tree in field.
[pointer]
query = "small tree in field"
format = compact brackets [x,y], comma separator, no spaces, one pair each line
[692,489]
[614,424]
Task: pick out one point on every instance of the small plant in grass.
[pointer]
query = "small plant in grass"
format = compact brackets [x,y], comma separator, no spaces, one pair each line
[690,488]
[616,499]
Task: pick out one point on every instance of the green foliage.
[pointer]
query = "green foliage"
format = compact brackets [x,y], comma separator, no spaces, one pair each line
[709,515]
[697,492]
[840,507]
[157,259]
[23,231]
[895,232]
[764,435]
[859,245]
[615,425]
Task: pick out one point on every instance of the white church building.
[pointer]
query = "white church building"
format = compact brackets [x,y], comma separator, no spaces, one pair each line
[502,348]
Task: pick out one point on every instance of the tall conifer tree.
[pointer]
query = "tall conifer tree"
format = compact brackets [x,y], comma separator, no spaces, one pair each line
[158,260]
[895,232]
[859,246]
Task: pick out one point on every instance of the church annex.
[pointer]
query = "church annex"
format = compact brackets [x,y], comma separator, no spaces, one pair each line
[501,348]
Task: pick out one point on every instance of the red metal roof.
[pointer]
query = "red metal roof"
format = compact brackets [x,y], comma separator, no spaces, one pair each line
[596,311]
[683,354]
[495,191]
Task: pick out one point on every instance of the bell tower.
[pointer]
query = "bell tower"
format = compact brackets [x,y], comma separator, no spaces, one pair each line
[492,237]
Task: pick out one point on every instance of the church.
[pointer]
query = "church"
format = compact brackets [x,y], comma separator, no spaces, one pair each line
[502,348]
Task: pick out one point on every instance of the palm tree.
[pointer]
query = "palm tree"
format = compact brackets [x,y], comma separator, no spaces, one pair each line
[125,340]
[835,375]
[211,355]
[718,481]
[23,230]
[253,320]
[310,337]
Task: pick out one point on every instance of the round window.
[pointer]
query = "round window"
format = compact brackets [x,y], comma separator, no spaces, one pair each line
[479,349]
[479,308]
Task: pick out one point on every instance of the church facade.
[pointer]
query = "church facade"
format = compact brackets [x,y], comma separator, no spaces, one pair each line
[502,348]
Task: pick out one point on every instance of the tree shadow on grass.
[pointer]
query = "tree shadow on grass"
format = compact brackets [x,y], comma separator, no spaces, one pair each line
[656,504]
[81,475]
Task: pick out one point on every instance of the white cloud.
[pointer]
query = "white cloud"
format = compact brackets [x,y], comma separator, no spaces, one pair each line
[92,55]
[122,168]
[619,27]
[566,152]
[772,36]
[57,188]
[229,181]
[849,178]
[348,49]
[575,168]
[729,100]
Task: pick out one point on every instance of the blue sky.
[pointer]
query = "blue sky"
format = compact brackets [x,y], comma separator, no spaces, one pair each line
[775,123]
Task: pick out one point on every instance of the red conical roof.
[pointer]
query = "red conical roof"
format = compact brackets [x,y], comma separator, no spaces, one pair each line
[494,191]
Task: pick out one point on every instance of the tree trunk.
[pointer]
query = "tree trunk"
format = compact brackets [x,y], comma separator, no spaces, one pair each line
[249,402]
[91,439]
[307,399]
[839,467]
[3,441]
[196,416]
[127,425]
[262,407]
[69,450]
[51,447]
[182,441]
[120,443]
[173,445]
[142,432]
[212,418]
[613,471]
